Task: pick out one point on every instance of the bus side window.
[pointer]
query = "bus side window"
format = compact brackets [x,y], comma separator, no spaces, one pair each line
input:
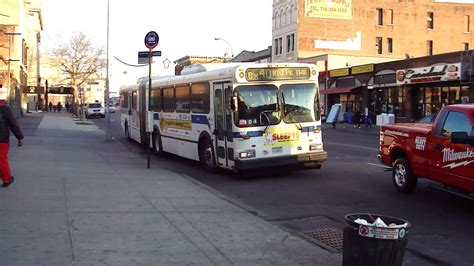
[200,98]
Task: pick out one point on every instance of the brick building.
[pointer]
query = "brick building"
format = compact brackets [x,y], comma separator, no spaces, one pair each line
[356,32]
[354,41]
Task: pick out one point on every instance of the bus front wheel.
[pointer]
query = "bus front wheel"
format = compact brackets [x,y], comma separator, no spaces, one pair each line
[206,156]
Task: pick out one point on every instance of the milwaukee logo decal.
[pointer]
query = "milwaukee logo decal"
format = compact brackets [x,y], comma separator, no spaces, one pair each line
[450,156]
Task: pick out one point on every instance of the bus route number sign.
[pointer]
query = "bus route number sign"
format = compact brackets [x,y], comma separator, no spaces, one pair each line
[282,73]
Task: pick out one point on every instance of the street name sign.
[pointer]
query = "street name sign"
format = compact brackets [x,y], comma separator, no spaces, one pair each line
[143,56]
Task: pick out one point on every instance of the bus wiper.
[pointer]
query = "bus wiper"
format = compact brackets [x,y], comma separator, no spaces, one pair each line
[268,120]
[288,114]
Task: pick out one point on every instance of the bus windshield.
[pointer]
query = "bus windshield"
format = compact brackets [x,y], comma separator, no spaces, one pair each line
[301,103]
[257,106]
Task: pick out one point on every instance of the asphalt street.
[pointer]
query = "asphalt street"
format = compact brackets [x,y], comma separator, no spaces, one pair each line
[351,181]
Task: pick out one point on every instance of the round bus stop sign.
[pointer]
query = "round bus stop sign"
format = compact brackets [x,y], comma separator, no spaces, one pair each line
[151,40]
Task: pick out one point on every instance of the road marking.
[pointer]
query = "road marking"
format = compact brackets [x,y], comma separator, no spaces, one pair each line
[378,165]
[353,146]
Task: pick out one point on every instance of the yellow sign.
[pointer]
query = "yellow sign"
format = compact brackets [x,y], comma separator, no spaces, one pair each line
[362,69]
[339,72]
[281,137]
[175,123]
[337,9]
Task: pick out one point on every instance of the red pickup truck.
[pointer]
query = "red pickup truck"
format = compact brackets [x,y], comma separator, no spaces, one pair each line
[442,151]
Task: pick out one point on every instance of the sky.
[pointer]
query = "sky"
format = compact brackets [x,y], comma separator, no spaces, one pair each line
[185,28]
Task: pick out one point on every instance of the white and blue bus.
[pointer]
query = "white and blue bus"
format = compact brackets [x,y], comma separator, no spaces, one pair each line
[233,116]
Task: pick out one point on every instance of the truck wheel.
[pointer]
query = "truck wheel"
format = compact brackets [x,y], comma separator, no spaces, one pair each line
[403,178]
[206,156]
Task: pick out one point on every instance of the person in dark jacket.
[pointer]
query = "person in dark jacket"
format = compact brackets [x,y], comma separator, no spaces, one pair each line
[7,123]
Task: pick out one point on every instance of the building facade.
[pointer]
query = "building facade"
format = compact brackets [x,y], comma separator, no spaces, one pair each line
[21,23]
[410,89]
[355,32]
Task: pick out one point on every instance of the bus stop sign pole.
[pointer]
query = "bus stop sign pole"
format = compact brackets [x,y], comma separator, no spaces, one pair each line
[151,41]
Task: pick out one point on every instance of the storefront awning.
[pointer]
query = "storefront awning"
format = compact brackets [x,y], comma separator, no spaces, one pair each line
[339,90]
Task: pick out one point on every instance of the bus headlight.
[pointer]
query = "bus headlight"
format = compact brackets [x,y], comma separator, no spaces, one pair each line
[247,154]
[315,147]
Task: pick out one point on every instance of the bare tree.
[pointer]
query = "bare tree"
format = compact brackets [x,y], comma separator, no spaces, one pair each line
[79,60]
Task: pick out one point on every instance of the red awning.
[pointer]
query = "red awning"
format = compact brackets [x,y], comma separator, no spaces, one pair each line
[338,90]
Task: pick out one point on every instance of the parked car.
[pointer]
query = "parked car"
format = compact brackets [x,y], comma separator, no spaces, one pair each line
[94,109]
[111,108]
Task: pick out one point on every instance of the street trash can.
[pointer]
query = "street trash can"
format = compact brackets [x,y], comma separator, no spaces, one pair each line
[372,239]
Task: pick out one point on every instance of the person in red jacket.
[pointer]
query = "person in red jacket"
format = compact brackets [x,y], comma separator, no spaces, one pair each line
[7,123]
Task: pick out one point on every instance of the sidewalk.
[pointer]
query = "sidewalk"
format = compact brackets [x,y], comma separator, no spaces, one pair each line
[78,199]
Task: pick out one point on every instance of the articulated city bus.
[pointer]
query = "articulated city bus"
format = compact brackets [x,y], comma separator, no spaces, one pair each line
[233,116]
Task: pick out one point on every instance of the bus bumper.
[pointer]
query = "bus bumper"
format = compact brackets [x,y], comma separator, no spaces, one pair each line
[307,160]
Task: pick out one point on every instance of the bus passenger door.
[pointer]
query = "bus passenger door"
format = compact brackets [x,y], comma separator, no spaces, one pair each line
[223,125]
[135,118]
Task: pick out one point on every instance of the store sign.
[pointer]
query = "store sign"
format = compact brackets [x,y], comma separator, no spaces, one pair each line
[340,9]
[362,69]
[33,89]
[61,90]
[434,73]
[339,72]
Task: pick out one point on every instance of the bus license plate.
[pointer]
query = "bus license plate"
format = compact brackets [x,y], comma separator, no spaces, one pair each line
[277,149]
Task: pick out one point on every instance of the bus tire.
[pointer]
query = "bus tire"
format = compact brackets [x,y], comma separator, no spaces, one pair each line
[403,178]
[157,144]
[207,156]
[127,132]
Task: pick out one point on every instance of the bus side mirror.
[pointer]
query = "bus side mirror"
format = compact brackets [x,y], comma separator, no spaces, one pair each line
[234,104]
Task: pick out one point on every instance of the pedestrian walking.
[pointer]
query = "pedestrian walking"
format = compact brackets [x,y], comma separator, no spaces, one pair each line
[7,123]
[67,105]
[357,119]
[59,106]
[369,119]
[50,106]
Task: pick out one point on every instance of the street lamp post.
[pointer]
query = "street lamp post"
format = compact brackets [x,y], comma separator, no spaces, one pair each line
[108,135]
[231,50]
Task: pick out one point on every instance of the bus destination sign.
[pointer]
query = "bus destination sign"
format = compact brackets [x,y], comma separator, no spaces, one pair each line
[282,73]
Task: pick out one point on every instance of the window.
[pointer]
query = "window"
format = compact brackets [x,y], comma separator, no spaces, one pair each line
[280,45]
[389,45]
[124,100]
[155,100]
[466,24]
[168,100]
[24,60]
[275,16]
[378,45]
[430,21]
[390,16]
[182,99]
[257,106]
[290,43]
[466,46]
[379,16]
[277,47]
[200,98]
[134,100]
[429,47]
[456,122]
